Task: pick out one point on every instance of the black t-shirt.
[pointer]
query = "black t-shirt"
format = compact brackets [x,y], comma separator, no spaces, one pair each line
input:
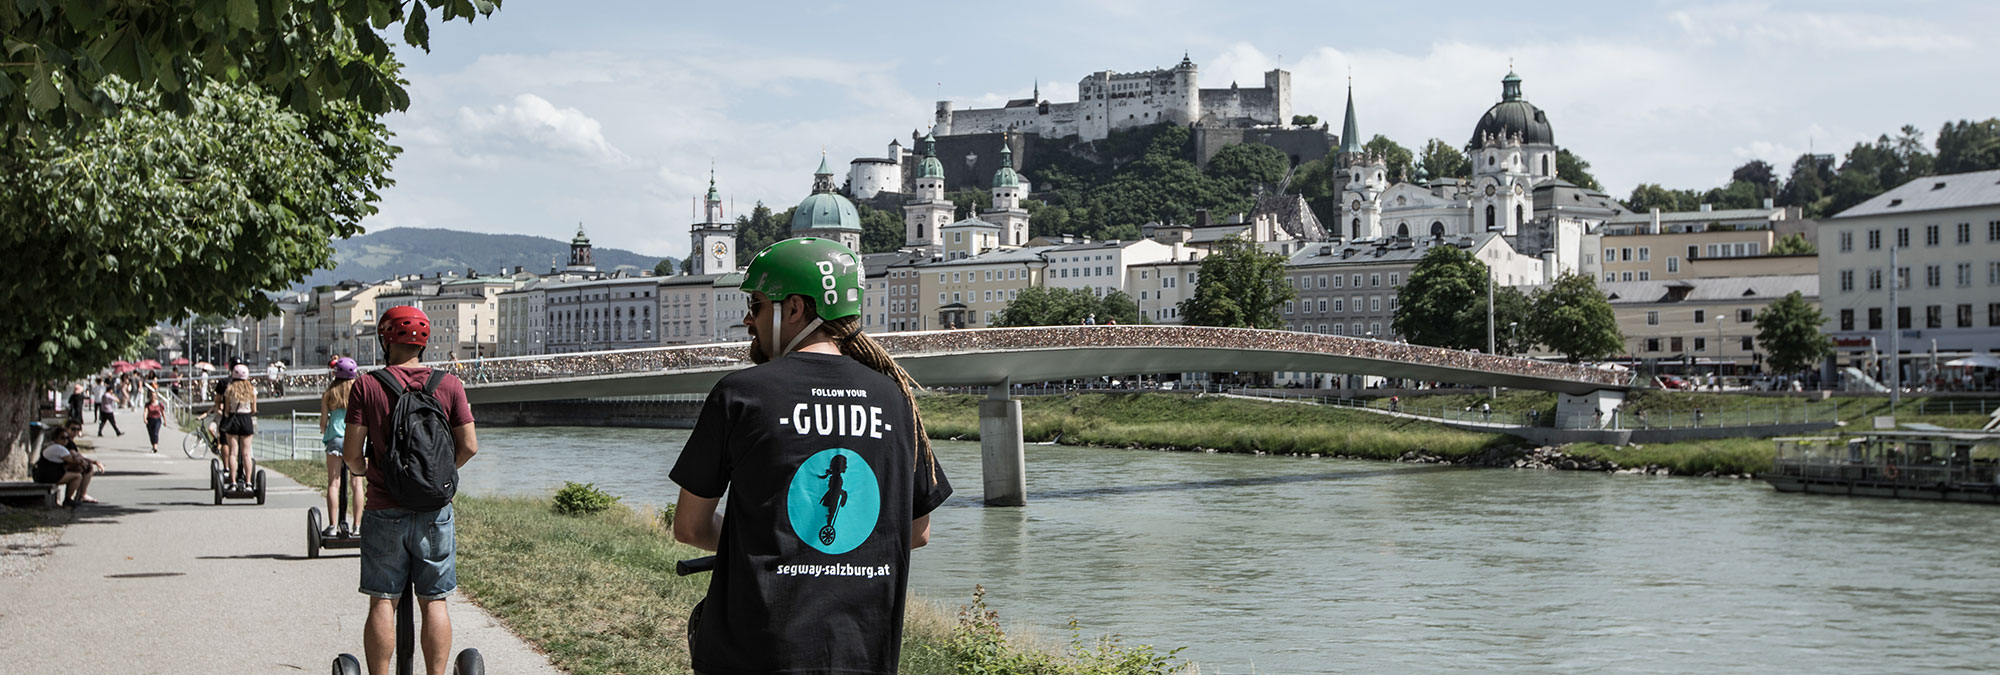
[816,453]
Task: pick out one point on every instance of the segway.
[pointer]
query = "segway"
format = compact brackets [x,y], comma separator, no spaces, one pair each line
[469,662]
[224,489]
[694,566]
[316,536]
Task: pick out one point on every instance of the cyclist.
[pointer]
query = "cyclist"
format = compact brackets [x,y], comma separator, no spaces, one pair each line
[830,480]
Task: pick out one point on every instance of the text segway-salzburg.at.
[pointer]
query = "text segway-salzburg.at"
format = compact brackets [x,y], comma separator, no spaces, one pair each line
[218,481]
[469,662]
[316,536]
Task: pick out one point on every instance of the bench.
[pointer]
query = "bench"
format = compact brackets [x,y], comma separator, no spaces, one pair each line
[48,493]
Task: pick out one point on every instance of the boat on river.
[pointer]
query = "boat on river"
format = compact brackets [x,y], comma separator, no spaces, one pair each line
[1935,465]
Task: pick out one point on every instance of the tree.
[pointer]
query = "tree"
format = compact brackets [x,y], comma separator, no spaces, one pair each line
[1395,156]
[1789,331]
[1756,172]
[1807,186]
[881,231]
[150,216]
[969,202]
[1968,146]
[1304,120]
[1436,305]
[760,228]
[1249,165]
[69,61]
[1441,160]
[1796,244]
[1512,312]
[1574,169]
[1648,196]
[1238,285]
[1572,317]
[1045,306]
[667,267]
[1737,195]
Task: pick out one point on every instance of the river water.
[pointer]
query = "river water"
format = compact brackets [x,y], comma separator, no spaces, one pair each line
[1293,565]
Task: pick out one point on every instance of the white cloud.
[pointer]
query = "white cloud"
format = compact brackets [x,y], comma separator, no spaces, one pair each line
[1758,25]
[533,119]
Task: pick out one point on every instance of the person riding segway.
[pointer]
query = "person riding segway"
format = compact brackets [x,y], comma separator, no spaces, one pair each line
[409,429]
[830,480]
[343,497]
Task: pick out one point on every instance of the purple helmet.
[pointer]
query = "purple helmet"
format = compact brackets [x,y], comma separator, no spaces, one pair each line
[345,369]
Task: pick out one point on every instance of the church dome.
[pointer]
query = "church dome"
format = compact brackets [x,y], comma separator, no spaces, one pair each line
[1513,116]
[825,211]
[1005,177]
[930,167]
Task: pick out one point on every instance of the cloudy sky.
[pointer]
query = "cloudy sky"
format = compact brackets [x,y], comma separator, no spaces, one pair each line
[611,114]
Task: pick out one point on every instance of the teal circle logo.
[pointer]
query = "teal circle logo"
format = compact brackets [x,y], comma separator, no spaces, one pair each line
[834,501]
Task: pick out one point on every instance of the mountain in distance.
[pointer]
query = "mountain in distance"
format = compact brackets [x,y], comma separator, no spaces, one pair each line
[408,250]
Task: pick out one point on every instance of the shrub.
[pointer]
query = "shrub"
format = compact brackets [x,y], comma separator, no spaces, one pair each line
[978,646]
[582,499]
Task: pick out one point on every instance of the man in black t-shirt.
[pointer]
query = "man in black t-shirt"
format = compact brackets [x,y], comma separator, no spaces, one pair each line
[829,476]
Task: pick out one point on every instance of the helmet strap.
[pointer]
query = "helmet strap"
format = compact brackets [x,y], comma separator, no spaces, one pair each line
[808,330]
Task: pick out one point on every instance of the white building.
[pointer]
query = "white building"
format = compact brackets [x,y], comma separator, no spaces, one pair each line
[611,313]
[1101,266]
[1944,232]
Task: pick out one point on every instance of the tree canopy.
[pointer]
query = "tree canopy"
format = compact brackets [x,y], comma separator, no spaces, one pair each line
[1443,303]
[1440,160]
[1396,157]
[1572,318]
[1795,244]
[1238,285]
[1789,331]
[1136,176]
[1052,306]
[1574,169]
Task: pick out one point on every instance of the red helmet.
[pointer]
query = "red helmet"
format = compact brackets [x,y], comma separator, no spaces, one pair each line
[404,325]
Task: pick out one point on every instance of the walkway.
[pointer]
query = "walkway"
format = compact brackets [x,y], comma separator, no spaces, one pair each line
[159,579]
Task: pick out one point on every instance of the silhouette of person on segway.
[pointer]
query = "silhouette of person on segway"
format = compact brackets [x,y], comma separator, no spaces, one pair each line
[835,497]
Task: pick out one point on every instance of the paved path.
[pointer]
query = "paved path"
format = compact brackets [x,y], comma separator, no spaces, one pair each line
[159,579]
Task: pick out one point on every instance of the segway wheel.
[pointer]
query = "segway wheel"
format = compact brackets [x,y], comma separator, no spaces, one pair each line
[314,522]
[346,664]
[827,535]
[260,486]
[218,493]
[470,663]
[214,473]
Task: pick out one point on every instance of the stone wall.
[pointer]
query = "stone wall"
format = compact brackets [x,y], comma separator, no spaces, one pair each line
[588,413]
[1301,145]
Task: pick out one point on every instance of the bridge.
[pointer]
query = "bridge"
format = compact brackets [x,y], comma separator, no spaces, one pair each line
[999,356]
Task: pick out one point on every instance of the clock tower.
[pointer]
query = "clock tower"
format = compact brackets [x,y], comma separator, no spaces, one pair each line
[714,249]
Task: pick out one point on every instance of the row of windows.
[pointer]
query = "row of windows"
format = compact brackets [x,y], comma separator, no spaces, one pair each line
[1644,275]
[1309,282]
[1933,236]
[1743,315]
[1374,329]
[991,275]
[956,296]
[1933,276]
[1337,305]
[1933,317]
[1675,344]
[572,299]
[1613,254]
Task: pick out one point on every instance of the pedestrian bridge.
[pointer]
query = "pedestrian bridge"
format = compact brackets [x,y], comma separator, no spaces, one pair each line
[1001,356]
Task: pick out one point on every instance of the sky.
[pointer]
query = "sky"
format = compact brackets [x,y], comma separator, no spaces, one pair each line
[611,115]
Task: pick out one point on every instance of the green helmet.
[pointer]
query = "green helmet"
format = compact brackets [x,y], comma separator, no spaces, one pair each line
[821,269]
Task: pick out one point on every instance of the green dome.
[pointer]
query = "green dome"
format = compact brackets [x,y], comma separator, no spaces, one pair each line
[825,211]
[1006,177]
[931,167]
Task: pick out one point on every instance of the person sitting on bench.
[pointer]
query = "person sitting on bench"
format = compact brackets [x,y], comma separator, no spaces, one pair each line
[59,465]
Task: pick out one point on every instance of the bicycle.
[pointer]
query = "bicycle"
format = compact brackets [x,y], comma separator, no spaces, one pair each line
[202,440]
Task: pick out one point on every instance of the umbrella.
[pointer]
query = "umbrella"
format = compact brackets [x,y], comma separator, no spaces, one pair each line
[180,361]
[204,365]
[149,364]
[123,367]
[1975,361]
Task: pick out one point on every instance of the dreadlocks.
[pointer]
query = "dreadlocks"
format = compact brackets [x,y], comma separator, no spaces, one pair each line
[858,346]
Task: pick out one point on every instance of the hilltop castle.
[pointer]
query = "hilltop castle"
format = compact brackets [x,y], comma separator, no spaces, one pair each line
[1107,101]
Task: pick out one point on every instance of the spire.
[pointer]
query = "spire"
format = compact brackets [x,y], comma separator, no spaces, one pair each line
[712,196]
[1350,137]
[1510,86]
[823,178]
[1038,90]
[1006,150]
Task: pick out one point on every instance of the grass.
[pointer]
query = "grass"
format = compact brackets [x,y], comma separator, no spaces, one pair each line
[1722,456]
[598,593]
[1180,422]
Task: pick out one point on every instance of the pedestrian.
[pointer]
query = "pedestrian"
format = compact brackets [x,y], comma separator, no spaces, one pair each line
[60,464]
[97,389]
[107,401]
[407,537]
[1090,320]
[1395,404]
[276,374]
[156,415]
[78,400]
[812,571]
[239,407]
[333,433]
[1486,411]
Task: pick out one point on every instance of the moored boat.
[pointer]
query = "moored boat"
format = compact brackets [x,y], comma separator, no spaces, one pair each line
[1935,465]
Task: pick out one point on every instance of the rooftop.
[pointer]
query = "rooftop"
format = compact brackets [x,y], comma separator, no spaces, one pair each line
[1722,289]
[1952,191]
[1376,252]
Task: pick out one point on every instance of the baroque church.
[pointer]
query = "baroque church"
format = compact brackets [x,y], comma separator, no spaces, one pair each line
[1513,190]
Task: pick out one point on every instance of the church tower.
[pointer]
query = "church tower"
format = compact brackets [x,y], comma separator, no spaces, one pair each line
[1007,194]
[714,249]
[1361,179]
[927,211]
[1513,148]
[826,214]
[579,253]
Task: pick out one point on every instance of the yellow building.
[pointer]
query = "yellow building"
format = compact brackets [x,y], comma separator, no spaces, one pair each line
[970,292]
[1699,325]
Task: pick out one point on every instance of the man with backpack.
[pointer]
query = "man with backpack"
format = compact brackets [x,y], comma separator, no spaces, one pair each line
[409,429]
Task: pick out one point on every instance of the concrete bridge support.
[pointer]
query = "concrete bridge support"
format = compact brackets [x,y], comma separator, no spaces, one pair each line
[1003,459]
[1595,410]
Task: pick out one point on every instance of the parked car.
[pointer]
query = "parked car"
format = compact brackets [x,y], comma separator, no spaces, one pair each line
[1674,382]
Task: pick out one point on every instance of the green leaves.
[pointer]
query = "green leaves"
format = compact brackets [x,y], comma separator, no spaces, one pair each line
[1432,306]
[1573,318]
[1239,286]
[1789,331]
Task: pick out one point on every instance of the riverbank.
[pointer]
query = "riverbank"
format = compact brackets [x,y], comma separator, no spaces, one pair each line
[598,594]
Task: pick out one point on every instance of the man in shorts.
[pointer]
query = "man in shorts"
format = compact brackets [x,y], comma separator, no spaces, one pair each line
[401,546]
[829,476]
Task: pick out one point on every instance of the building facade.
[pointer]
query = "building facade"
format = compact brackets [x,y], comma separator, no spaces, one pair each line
[1107,101]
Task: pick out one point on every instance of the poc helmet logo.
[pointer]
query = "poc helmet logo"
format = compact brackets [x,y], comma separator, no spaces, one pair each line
[829,295]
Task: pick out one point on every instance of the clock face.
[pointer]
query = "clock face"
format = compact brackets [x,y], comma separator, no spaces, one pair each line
[1357,205]
[721,250]
[1517,188]
[1489,190]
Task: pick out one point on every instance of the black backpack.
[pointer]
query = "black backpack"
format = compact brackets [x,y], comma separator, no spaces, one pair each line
[420,467]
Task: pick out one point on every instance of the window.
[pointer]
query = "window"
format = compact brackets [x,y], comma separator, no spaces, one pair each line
[1627,276]
[1847,319]
[940,277]
[1322,305]
[1395,279]
[1288,303]
[1644,275]
[1357,280]
[958,237]
[1931,235]
[1746,315]
[1645,253]
[1902,237]
[1701,344]
[1993,315]
[1993,274]
[1610,276]
[1846,242]
[1934,316]
[1965,316]
[1993,231]
[1653,318]
[1874,318]
[1673,265]
[1652,344]
[1903,318]
[1747,343]
[1374,303]
[1874,280]
[940,298]
[1339,305]
[1673,344]
[1701,316]
[1375,280]
[1376,328]
[1693,252]
[955,297]
[1847,281]
[1874,240]
[1964,274]
[1625,253]
[1902,277]
[1933,275]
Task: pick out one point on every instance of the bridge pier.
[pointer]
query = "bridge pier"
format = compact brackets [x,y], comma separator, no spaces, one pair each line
[1003,459]
[1595,410]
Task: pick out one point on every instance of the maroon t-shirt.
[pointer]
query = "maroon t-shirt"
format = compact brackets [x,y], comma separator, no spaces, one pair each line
[368,405]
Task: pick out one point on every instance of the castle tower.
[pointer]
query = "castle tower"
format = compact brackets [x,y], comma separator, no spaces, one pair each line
[579,253]
[1007,194]
[927,211]
[827,215]
[1184,104]
[714,250]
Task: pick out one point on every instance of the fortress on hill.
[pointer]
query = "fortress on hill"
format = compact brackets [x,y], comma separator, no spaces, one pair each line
[1107,101]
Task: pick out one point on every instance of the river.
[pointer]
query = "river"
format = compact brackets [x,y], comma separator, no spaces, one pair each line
[1292,565]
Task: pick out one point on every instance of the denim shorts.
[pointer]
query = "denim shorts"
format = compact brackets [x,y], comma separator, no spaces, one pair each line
[333,447]
[400,546]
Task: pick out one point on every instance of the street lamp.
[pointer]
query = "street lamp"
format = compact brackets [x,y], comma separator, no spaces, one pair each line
[1718,350]
[1513,337]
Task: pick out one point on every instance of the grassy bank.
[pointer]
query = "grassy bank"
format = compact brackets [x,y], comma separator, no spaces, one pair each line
[598,594]
[1183,422]
[1855,410]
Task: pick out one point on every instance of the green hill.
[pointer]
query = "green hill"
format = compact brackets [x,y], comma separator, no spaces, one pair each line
[407,250]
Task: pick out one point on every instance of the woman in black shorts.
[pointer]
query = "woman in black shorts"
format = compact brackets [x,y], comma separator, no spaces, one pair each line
[239,423]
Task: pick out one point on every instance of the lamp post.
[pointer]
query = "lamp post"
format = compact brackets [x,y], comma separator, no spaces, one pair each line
[1513,337]
[1718,351]
[229,340]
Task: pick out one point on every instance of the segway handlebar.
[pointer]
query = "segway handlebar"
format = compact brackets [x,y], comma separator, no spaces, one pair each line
[695,565]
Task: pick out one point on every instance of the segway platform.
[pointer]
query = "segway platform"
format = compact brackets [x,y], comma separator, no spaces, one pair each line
[316,537]
[218,481]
